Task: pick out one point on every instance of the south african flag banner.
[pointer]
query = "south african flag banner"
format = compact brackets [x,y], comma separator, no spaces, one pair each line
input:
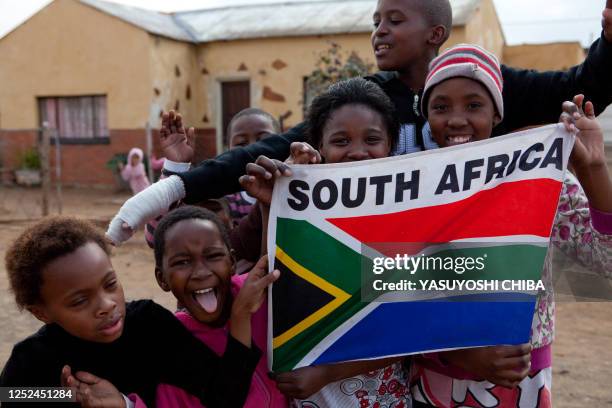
[418,253]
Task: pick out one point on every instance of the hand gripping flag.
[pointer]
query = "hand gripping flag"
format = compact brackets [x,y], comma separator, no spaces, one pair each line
[479,213]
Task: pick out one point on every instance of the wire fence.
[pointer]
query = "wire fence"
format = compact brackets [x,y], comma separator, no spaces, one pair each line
[26,169]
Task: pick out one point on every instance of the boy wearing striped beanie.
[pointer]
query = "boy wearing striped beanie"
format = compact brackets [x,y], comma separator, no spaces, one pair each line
[467,79]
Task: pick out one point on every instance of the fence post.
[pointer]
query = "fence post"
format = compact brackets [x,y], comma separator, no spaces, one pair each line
[58,170]
[43,151]
[149,147]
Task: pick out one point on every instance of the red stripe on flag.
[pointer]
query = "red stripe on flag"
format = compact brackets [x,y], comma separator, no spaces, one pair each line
[513,208]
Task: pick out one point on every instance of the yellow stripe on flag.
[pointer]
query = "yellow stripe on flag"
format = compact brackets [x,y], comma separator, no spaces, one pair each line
[339,295]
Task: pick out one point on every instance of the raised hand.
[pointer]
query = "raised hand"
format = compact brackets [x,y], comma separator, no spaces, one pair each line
[259,178]
[253,291]
[588,152]
[501,365]
[176,144]
[588,157]
[91,391]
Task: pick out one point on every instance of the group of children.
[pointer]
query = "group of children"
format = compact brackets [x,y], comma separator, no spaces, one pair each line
[210,351]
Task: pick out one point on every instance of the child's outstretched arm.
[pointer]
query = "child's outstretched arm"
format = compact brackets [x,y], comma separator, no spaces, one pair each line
[249,300]
[146,205]
[177,147]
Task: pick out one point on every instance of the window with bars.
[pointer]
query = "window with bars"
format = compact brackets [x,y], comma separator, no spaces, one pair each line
[77,119]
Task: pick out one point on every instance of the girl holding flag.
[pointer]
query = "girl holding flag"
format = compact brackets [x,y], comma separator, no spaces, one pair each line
[463,102]
[353,121]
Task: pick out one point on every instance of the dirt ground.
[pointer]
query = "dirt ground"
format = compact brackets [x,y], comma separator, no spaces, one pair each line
[582,372]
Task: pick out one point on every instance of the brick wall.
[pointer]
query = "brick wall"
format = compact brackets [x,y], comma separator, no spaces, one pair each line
[12,145]
[85,165]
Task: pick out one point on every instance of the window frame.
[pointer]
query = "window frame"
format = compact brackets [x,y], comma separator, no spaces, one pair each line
[95,140]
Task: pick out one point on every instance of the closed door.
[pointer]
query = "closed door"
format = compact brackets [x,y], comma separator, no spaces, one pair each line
[235,96]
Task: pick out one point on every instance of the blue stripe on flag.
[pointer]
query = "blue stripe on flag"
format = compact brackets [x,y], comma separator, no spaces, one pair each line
[409,327]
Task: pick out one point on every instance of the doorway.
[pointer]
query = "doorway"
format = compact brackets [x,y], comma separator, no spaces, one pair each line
[235,96]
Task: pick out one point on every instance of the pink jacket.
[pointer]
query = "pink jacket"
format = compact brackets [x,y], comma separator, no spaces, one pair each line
[135,175]
[263,392]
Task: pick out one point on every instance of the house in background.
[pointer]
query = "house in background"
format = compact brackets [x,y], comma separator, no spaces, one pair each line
[544,57]
[100,73]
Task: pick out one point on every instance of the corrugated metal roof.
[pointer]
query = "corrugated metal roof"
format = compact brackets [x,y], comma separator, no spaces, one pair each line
[263,20]
[294,19]
[279,20]
[149,20]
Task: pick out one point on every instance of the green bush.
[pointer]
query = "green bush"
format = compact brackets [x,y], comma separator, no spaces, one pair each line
[30,159]
[333,66]
[114,161]
[112,164]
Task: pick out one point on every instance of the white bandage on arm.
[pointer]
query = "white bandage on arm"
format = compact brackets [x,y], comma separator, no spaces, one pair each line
[176,167]
[144,206]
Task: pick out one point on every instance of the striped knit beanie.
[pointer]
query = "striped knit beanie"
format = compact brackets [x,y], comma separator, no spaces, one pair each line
[468,61]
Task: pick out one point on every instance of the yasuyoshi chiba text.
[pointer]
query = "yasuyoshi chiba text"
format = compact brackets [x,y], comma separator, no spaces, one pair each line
[469,285]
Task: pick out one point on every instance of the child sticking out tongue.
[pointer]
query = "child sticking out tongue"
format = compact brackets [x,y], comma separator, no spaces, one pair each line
[207,299]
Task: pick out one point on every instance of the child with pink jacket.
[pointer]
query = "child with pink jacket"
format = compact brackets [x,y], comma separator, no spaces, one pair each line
[134,171]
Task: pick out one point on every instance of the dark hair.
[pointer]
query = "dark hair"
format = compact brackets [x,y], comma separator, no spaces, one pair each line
[253,112]
[355,91]
[41,244]
[437,12]
[187,212]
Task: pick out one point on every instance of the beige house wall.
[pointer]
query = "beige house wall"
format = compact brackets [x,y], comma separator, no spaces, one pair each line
[176,81]
[71,49]
[457,36]
[276,68]
[544,57]
[484,29]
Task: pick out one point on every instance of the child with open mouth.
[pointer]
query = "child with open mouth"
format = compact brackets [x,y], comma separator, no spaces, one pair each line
[194,261]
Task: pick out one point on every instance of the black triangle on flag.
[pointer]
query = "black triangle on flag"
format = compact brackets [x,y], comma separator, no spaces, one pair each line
[289,310]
